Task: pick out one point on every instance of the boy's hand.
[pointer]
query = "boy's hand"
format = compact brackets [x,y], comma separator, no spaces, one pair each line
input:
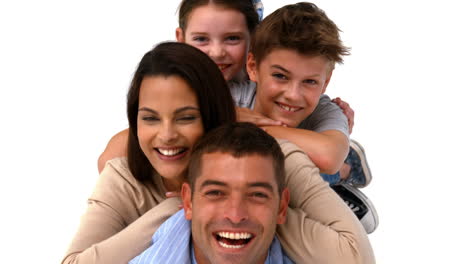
[349,113]
[247,115]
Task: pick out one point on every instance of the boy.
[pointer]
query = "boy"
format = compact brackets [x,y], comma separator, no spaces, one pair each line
[293,54]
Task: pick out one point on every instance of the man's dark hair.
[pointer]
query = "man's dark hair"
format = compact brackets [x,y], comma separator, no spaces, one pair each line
[238,139]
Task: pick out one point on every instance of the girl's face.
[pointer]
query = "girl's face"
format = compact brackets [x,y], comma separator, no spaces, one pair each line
[169,124]
[222,34]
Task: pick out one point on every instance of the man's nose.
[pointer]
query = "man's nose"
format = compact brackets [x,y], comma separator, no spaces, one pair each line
[236,210]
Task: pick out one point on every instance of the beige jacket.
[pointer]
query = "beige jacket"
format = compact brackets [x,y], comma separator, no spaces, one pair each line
[124,213]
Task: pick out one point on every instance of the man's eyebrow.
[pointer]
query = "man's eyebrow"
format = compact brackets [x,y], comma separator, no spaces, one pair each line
[265,185]
[212,182]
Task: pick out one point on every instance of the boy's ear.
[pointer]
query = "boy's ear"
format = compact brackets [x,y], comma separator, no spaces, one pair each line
[179,34]
[186,194]
[251,67]
[283,207]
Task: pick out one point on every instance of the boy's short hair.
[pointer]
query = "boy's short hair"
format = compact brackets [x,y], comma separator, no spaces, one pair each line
[302,27]
[238,139]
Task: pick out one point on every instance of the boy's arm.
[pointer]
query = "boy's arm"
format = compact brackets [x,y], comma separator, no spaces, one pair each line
[117,147]
[327,149]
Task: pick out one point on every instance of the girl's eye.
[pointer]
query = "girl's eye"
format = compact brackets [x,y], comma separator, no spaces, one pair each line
[200,39]
[279,76]
[233,38]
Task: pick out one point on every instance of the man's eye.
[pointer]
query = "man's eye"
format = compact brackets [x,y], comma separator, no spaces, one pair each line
[260,195]
[214,194]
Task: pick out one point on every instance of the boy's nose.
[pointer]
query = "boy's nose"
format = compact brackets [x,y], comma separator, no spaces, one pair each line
[293,92]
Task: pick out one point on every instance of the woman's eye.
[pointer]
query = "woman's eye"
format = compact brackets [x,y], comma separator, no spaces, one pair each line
[150,118]
[186,119]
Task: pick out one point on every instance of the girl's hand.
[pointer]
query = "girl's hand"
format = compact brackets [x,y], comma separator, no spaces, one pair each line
[347,110]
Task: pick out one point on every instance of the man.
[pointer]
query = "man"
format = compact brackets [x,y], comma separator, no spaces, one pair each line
[236,197]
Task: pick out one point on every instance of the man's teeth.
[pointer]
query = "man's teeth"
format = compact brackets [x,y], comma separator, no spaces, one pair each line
[236,236]
[170,152]
[288,108]
[230,246]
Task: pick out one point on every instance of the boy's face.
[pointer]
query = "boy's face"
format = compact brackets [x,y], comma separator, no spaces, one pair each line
[234,208]
[289,84]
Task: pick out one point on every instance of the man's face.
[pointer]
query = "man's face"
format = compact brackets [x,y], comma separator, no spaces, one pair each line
[289,84]
[234,208]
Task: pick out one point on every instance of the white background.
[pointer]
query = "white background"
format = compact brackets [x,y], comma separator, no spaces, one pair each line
[65,67]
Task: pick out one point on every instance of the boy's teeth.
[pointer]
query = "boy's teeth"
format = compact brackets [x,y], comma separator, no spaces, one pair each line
[170,152]
[236,236]
[287,108]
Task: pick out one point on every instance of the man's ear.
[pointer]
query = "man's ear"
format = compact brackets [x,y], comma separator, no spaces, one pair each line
[327,81]
[186,194]
[179,34]
[251,67]
[283,208]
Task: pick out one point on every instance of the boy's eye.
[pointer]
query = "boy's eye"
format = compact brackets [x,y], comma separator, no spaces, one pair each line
[279,76]
[310,81]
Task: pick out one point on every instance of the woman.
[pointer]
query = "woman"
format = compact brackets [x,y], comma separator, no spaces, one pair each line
[177,94]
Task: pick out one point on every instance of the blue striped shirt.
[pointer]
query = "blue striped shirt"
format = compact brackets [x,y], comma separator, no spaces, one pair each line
[171,244]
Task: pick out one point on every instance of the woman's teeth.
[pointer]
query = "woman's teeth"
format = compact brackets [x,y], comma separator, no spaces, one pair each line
[170,152]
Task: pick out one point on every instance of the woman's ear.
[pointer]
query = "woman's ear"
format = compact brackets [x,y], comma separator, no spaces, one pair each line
[179,34]
[251,67]
[186,194]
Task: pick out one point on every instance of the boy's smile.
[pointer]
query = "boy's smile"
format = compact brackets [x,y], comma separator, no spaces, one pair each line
[289,84]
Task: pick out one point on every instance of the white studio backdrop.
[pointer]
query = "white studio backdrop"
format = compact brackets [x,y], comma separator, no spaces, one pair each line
[65,67]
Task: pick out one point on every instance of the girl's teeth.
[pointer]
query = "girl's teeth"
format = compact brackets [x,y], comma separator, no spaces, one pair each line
[287,108]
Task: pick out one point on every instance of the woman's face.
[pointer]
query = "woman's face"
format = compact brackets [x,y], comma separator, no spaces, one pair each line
[169,124]
[222,34]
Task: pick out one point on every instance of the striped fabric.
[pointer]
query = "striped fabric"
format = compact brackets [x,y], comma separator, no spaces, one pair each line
[171,244]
